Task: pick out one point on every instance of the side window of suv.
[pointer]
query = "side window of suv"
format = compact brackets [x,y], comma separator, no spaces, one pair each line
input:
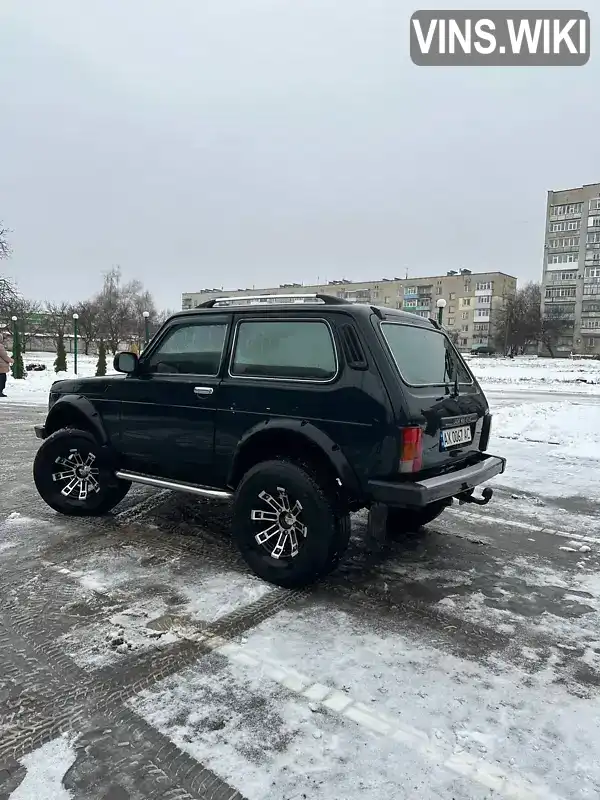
[191,349]
[294,350]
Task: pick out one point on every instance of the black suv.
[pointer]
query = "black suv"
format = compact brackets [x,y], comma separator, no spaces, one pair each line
[299,412]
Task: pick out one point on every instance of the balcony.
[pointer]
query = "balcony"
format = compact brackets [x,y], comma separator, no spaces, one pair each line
[561,217]
[483,292]
[559,299]
[484,318]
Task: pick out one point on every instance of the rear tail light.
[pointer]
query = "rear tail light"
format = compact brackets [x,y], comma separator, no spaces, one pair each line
[411,449]
[486,429]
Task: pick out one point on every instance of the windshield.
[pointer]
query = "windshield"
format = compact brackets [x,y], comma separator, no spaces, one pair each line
[424,356]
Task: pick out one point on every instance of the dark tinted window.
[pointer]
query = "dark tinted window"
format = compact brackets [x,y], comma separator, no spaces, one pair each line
[294,349]
[424,356]
[190,350]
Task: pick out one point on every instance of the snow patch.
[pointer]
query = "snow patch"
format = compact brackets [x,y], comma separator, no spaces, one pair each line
[46,768]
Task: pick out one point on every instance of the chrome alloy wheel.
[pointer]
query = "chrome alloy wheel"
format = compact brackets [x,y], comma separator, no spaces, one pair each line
[80,475]
[285,529]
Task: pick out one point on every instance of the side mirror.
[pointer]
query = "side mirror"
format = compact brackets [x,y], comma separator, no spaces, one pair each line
[126,362]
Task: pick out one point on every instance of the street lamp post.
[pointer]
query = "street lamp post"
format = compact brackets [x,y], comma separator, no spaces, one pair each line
[146,316]
[441,305]
[16,348]
[75,318]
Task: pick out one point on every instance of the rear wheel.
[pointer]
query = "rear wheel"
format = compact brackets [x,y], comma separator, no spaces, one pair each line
[74,474]
[288,526]
[401,521]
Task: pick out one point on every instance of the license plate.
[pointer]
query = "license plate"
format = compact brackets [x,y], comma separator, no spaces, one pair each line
[451,437]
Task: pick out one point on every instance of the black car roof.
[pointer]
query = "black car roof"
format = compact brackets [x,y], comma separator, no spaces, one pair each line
[352,309]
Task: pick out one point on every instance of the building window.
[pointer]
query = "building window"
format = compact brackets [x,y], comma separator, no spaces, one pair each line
[564,258]
[593,238]
[591,288]
[464,328]
[590,323]
[570,208]
[386,301]
[554,277]
[438,290]
[410,304]
[482,312]
[452,295]
[451,309]
[563,241]
[463,342]
[465,301]
[594,222]
[486,299]
[481,327]
[592,272]
[450,321]
[561,291]
[467,286]
[465,315]
[410,290]
[482,287]
[595,204]
[570,225]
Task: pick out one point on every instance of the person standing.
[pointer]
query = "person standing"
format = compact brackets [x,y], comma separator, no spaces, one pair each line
[5,363]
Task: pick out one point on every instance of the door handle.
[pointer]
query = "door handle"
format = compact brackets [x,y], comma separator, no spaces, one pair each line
[203,390]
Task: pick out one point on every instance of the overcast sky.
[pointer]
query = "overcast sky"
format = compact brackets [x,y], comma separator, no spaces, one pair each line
[201,143]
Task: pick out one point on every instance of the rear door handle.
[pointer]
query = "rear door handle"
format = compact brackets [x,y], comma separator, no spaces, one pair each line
[203,390]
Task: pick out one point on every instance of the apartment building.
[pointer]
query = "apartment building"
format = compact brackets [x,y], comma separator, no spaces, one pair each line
[472,299]
[571,269]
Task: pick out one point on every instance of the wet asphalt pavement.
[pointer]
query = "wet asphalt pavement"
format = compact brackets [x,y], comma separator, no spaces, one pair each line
[55,588]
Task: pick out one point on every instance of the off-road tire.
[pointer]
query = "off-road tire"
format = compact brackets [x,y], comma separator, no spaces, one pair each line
[403,521]
[60,446]
[327,523]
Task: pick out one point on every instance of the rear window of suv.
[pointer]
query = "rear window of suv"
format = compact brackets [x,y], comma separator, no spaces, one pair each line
[424,356]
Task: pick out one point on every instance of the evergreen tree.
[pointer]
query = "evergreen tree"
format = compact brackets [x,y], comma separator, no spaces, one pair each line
[18,368]
[101,367]
[60,364]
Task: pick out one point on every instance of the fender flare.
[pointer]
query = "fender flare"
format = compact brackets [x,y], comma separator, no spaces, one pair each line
[73,406]
[302,428]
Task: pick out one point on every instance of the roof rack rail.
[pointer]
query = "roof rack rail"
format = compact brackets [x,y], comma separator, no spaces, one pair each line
[233,300]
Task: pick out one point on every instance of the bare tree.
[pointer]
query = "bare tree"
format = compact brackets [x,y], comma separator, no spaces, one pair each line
[89,323]
[32,322]
[5,249]
[59,320]
[9,298]
[521,324]
[120,310]
[113,316]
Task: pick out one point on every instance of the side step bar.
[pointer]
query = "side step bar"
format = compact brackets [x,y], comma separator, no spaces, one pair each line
[175,486]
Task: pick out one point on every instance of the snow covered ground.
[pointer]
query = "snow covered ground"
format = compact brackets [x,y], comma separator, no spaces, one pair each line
[529,372]
[459,664]
[33,390]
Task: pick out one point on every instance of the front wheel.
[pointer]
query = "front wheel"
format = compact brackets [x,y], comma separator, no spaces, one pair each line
[288,526]
[75,476]
[401,521]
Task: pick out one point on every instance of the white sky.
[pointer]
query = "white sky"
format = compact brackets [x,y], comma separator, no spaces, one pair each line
[236,142]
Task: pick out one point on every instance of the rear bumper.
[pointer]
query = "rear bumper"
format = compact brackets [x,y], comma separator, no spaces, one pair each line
[440,487]
[40,431]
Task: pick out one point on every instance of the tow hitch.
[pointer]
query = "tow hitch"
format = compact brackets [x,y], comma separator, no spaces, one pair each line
[469,497]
